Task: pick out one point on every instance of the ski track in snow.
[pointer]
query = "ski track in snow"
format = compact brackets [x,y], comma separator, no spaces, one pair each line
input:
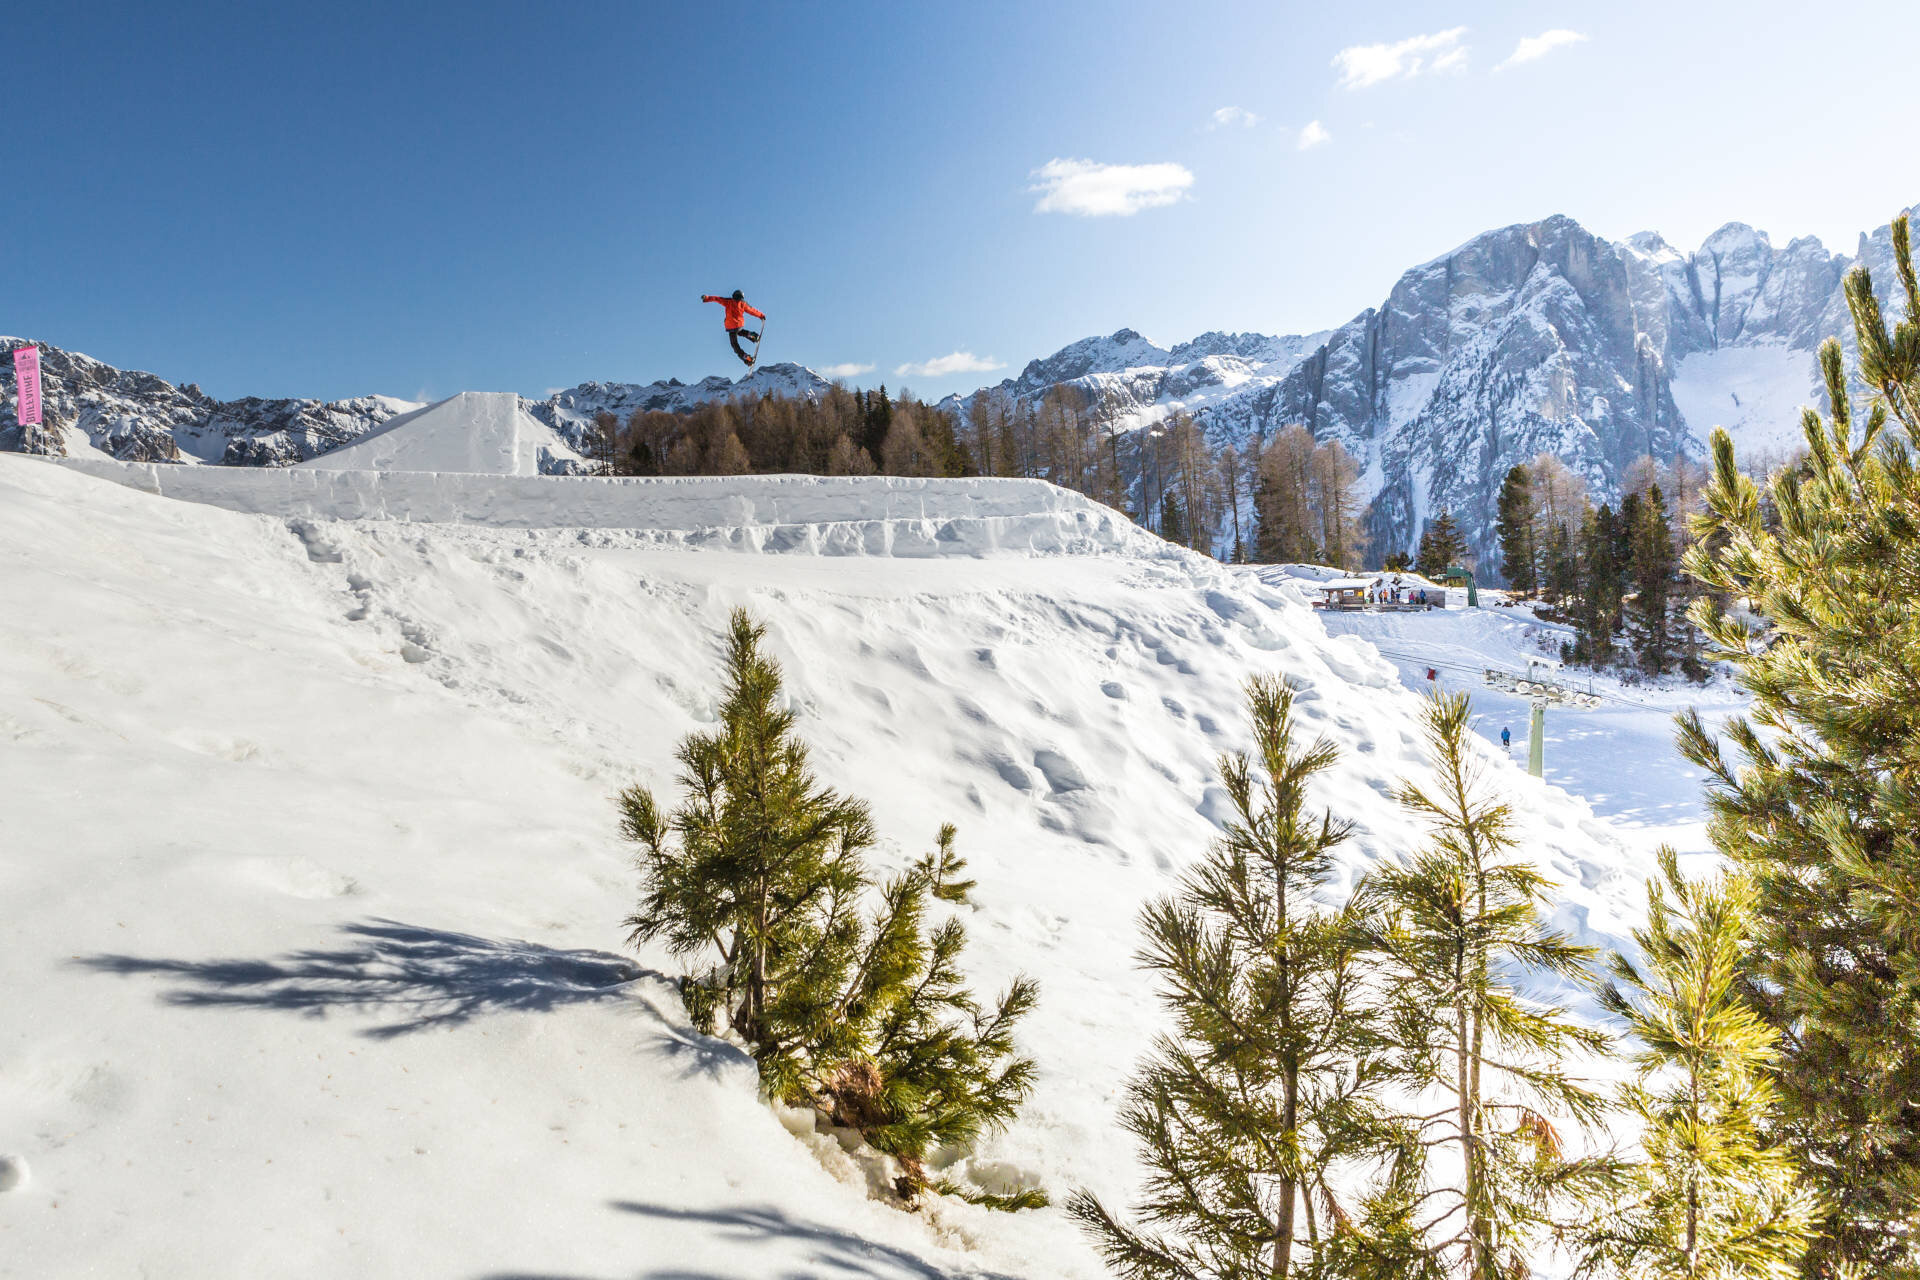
[316,963]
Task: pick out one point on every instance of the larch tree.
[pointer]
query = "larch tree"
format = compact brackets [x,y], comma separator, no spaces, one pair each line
[1336,503]
[1282,499]
[1228,464]
[1821,809]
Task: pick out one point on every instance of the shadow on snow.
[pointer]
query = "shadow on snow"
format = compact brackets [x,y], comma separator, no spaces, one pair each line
[830,1252]
[428,977]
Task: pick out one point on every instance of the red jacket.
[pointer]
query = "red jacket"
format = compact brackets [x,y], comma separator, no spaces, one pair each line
[734,320]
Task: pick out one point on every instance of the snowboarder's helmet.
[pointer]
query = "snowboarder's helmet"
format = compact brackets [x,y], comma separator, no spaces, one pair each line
[739,296]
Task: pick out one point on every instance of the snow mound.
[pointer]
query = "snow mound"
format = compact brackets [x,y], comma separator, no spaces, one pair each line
[475,432]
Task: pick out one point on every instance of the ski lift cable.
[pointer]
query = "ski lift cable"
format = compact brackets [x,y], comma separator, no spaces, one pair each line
[1442,665]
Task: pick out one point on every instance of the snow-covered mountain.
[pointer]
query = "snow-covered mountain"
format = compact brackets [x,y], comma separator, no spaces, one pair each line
[95,408]
[571,411]
[1537,337]
[1228,378]
[138,417]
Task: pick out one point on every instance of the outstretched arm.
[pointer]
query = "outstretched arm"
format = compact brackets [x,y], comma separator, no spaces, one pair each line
[707,297]
[755,311]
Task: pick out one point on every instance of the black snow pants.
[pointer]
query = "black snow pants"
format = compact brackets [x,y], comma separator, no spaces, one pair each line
[734,336]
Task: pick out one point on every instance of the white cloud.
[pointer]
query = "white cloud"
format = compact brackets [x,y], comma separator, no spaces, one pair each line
[1361,65]
[1313,135]
[946,366]
[844,370]
[1228,117]
[1102,190]
[1532,47]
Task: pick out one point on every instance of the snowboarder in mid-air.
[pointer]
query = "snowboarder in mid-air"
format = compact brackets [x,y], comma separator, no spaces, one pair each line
[737,311]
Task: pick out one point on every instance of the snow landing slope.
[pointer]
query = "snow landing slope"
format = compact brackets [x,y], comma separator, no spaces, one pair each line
[314,963]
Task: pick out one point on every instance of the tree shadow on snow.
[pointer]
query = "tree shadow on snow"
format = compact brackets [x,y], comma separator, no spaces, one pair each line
[831,1252]
[430,977]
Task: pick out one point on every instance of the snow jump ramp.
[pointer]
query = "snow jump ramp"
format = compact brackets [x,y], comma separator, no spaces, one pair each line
[475,432]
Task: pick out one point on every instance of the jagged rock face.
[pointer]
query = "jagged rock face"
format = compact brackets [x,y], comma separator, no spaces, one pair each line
[1524,340]
[1739,290]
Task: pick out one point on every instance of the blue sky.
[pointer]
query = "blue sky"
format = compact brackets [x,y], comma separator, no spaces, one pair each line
[414,199]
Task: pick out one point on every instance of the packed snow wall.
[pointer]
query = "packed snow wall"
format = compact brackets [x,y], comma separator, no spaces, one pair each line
[822,515]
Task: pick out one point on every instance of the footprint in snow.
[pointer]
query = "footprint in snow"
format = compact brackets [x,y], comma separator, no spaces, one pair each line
[1060,771]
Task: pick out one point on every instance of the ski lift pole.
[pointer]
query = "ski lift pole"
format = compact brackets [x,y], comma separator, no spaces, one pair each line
[1537,739]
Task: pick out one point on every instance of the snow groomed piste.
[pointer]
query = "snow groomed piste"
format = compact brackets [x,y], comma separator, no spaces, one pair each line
[317,967]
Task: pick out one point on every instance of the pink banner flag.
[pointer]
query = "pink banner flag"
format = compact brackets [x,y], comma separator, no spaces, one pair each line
[26,378]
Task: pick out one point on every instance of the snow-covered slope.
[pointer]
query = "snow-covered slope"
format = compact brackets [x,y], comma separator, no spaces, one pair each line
[314,959]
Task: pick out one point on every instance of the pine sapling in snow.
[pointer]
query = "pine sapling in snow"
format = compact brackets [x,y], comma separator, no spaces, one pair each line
[917,1063]
[1823,810]
[758,875]
[1712,1197]
[1485,1065]
[1247,1112]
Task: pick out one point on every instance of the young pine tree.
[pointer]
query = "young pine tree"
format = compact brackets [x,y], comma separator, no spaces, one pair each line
[759,867]
[915,1061]
[1173,519]
[1518,558]
[759,871]
[1712,1199]
[1244,1111]
[1451,928]
[1823,810]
